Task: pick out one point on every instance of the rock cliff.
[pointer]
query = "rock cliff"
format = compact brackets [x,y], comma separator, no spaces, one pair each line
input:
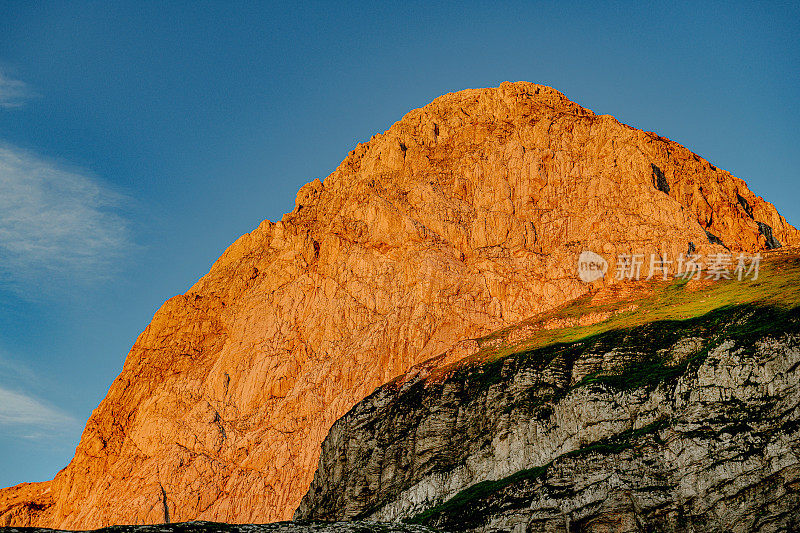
[466,216]
[688,424]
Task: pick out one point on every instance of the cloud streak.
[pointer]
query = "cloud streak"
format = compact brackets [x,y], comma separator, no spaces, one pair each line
[25,415]
[19,409]
[13,93]
[55,221]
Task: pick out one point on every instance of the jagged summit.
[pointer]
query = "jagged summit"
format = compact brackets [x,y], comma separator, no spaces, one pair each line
[466,216]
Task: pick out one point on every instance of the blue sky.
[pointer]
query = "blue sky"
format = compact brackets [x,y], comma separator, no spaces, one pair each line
[137,140]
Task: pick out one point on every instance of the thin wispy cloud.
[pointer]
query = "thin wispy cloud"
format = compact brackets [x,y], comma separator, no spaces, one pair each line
[28,413]
[13,371]
[13,93]
[55,221]
[23,413]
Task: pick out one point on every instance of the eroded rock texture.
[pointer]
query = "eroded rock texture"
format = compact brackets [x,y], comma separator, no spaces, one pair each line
[670,426]
[465,216]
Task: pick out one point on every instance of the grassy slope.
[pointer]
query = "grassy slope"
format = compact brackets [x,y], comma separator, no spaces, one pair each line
[631,305]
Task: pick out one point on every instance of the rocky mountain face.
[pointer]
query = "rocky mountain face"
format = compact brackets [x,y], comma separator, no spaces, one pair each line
[671,425]
[466,216]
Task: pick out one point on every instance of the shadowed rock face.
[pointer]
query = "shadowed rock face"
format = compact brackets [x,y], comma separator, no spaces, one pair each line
[465,216]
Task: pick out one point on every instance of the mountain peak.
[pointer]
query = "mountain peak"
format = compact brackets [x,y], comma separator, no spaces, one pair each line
[466,216]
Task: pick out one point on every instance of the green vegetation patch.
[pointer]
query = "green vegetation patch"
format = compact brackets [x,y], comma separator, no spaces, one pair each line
[477,492]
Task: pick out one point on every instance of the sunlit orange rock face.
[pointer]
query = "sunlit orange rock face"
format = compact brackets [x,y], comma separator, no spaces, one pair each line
[465,216]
